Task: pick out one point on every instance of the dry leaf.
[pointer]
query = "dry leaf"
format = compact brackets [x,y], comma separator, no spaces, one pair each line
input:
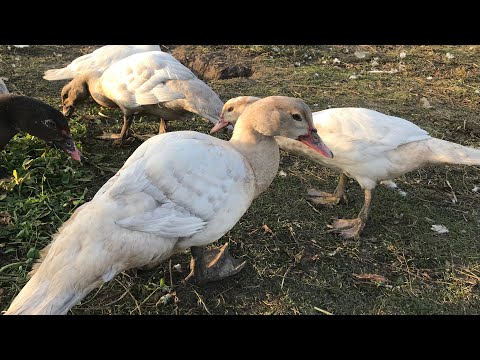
[471,281]
[5,218]
[425,275]
[298,257]
[391,71]
[267,229]
[372,277]
[315,257]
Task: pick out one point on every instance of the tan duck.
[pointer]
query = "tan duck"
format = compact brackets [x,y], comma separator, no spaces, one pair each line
[152,83]
[176,191]
[370,147]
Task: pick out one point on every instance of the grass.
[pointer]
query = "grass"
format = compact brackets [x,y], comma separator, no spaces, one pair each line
[295,266]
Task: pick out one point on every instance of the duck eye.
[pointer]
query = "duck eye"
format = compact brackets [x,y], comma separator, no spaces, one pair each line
[296,117]
[50,124]
[230,109]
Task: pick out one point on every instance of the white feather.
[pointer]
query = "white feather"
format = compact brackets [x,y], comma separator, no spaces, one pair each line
[98,60]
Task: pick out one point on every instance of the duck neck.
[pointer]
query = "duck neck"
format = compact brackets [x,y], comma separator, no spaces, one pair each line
[91,79]
[7,129]
[260,151]
[94,85]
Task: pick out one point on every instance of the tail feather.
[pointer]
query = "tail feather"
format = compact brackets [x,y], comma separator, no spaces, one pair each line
[59,74]
[42,296]
[36,299]
[447,152]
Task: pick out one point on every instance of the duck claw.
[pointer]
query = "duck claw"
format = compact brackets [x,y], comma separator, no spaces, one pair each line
[213,265]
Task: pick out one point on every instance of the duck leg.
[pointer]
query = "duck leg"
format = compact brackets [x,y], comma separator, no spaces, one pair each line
[352,228]
[162,127]
[121,138]
[324,198]
[212,265]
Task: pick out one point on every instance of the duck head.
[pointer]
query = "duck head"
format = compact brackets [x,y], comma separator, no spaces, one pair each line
[292,115]
[43,121]
[74,93]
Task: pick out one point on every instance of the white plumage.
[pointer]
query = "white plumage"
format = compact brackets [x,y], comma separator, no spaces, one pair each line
[98,60]
[176,191]
[169,195]
[368,146]
[143,79]
[3,88]
[151,82]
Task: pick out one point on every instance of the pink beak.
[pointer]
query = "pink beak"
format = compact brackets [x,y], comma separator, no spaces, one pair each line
[220,125]
[314,141]
[75,154]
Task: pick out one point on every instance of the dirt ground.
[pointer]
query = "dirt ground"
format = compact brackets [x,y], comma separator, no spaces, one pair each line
[295,266]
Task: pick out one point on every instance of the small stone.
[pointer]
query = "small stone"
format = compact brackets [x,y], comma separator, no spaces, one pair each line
[439,229]
[177,267]
[425,103]
[166,299]
[361,54]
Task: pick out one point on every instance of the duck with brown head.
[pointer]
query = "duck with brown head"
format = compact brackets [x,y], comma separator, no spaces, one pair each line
[153,83]
[32,116]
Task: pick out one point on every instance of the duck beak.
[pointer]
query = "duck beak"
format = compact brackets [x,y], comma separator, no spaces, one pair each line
[75,154]
[67,111]
[219,125]
[70,149]
[314,141]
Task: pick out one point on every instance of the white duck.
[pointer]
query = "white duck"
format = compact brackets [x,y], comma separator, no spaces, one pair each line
[370,147]
[98,60]
[152,83]
[178,190]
